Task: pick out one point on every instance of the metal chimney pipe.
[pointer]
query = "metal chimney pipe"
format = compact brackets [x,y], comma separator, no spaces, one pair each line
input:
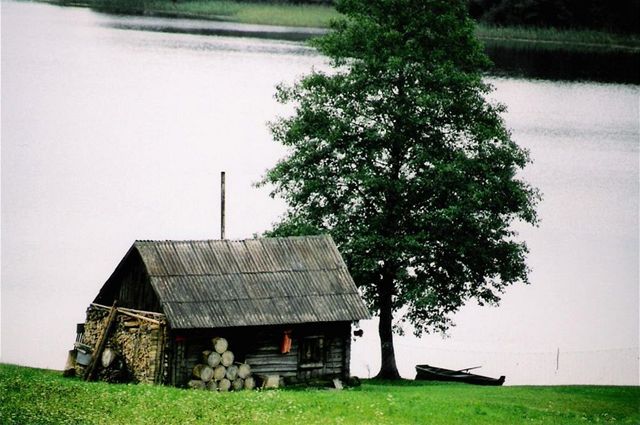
[222,213]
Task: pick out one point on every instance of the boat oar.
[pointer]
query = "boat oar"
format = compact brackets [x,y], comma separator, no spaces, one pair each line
[468,369]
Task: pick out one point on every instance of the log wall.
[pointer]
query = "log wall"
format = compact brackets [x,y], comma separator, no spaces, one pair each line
[260,347]
[265,357]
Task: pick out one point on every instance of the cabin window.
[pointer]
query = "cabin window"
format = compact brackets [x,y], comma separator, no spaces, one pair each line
[312,351]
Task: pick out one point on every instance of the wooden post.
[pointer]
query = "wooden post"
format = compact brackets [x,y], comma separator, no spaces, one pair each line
[97,352]
[222,201]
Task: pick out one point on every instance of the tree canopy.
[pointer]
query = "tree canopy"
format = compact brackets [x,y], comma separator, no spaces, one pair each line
[398,154]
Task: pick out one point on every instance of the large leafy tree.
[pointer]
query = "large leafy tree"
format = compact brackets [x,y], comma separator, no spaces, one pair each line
[398,154]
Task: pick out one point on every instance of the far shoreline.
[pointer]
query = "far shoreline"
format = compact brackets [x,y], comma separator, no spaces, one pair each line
[302,21]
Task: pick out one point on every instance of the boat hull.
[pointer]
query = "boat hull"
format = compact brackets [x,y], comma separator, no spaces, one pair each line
[430,373]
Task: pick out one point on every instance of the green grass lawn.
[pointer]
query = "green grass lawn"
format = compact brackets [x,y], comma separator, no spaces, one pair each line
[34,396]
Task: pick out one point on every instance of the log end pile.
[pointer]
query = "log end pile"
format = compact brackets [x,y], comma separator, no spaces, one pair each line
[219,372]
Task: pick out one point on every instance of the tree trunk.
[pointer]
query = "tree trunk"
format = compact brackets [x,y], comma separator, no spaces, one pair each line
[244,370]
[386,286]
[249,383]
[219,372]
[227,358]
[220,344]
[232,372]
[196,384]
[237,384]
[214,359]
[204,372]
[224,385]
[388,367]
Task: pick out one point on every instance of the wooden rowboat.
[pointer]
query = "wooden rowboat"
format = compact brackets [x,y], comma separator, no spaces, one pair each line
[430,373]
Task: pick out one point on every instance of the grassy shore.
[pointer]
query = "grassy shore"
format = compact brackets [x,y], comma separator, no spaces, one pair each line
[34,396]
[297,15]
[550,38]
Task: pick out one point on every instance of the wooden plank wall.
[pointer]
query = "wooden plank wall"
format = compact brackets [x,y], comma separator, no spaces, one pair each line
[136,291]
[130,286]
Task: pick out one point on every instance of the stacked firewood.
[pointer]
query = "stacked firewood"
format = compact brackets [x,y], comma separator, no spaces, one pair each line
[133,350]
[219,372]
[93,327]
[138,341]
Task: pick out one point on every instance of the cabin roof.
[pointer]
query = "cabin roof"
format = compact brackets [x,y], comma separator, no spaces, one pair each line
[268,281]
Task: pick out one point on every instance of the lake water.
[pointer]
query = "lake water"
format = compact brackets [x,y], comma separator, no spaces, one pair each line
[111,134]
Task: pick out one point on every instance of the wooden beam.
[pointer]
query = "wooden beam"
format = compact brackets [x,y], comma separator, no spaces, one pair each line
[151,313]
[134,313]
[137,316]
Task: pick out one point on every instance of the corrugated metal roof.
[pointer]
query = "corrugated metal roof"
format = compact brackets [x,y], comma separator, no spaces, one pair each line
[222,283]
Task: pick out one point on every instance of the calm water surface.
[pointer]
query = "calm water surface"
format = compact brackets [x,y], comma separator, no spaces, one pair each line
[111,134]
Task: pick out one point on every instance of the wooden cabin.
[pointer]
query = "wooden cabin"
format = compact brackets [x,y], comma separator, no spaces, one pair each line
[285,306]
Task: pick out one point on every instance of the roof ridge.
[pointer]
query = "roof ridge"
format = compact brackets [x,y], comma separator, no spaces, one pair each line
[322,236]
